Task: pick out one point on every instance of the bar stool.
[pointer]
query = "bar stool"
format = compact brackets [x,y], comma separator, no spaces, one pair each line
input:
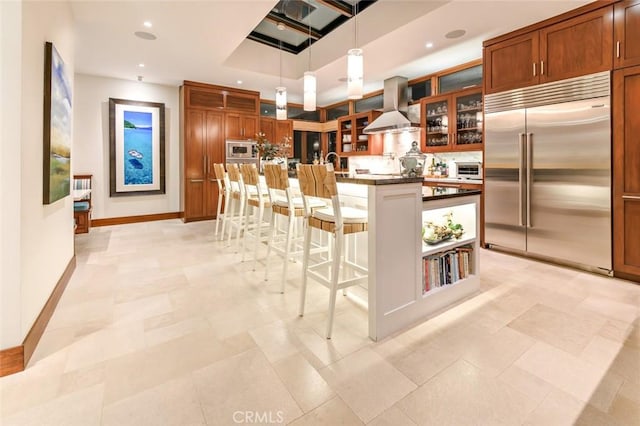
[235,212]
[224,192]
[320,181]
[285,203]
[257,198]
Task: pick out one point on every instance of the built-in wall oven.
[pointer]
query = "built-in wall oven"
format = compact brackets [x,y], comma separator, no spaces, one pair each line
[241,151]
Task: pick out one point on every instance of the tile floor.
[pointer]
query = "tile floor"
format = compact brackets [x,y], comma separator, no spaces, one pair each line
[162,325]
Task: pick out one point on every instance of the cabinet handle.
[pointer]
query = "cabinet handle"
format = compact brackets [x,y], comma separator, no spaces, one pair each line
[618,49]
[541,67]
[196,180]
[204,165]
[448,185]
[630,197]
[534,69]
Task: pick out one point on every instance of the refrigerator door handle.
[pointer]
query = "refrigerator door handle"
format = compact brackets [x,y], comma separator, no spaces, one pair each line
[521,159]
[529,176]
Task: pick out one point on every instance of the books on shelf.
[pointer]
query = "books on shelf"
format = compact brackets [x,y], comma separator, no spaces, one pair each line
[447,267]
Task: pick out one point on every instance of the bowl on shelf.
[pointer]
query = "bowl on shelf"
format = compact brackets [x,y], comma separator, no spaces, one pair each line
[346,147]
[363,138]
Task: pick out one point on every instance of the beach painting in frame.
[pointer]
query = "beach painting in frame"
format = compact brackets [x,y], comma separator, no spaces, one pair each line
[136,139]
[56,128]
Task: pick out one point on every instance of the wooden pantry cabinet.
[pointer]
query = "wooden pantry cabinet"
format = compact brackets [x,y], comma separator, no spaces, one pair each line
[569,48]
[351,140]
[626,173]
[210,114]
[627,33]
[452,122]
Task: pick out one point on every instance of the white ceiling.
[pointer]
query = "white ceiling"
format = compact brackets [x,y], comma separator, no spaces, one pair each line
[206,41]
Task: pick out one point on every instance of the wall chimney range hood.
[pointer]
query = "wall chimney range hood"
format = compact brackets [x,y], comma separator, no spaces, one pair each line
[394,115]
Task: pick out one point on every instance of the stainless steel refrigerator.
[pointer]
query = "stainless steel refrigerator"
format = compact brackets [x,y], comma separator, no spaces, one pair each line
[548,171]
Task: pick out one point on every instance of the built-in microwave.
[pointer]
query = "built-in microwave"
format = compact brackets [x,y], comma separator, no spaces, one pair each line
[241,149]
[469,169]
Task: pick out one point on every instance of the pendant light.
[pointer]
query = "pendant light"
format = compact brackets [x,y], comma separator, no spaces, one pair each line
[281,95]
[355,65]
[309,80]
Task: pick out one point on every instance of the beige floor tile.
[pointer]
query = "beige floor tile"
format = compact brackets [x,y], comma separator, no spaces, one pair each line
[570,374]
[423,363]
[559,408]
[243,383]
[526,383]
[560,329]
[276,341]
[173,331]
[303,382]
[463,395]
[498,351]
[625,411]
[334,412]
[172,403]
[392,417]
[82,408]
[630,390]
[617,310]
[367,383]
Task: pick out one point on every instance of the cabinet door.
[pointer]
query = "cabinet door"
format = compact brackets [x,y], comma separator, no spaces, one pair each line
[250,126]
[626,171]
[195,165]
[345,135]
[283,128]
[627,33]
[511,64]
[214,151]
[468,119]
[233,126]
[579,46]
[267,126]
[438,134]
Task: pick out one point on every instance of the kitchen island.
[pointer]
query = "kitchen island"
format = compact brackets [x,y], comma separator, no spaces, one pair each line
[410,280]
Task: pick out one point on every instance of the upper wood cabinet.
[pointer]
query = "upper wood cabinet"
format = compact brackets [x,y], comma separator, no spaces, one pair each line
[210,96]
[350,138]
[276,130]
[452,122]
[626,173]
[571,48]
[241,126]
[627,33]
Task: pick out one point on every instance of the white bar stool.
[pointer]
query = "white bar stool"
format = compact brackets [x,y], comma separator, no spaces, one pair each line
[284,203]
[224,192]
[256,198]
[320,181]
[235,212]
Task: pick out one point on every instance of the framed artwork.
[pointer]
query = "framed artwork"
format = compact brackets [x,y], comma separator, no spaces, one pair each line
[56,156]
[136,147]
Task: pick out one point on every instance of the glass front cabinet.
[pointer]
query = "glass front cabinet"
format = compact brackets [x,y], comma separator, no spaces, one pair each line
[351,140]
[452,122]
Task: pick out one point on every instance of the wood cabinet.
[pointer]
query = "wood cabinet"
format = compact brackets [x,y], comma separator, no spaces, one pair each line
[208,115]
[452,122]
[350,137]
[627,33]
[241,126]
[626,173]
[276,130]
[578,46]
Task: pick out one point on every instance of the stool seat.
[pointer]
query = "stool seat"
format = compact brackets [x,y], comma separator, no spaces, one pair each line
[349,215]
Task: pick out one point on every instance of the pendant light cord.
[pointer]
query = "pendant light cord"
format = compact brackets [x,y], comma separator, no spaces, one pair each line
[309,15]
[280,63]
[355,24]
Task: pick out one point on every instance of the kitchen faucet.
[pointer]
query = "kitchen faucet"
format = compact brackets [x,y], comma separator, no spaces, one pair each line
[326,158]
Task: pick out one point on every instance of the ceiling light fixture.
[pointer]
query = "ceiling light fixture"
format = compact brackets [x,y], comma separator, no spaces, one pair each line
[280,26]
[355,65]
[239,81]
[141,65]
[281,95]
[145,35]
[147,24]
[309,79]
[455,34]
[429,45]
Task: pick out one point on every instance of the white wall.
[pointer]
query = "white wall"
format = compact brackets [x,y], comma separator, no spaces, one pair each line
[91,143]
[46,230]
[10,93]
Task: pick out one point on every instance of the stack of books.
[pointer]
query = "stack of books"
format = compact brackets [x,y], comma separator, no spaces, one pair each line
[447,267]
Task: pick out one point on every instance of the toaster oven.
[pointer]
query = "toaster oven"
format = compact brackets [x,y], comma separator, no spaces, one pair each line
[469,169]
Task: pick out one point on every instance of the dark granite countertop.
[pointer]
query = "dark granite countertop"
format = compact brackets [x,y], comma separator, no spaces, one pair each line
[432,193]
[376,179]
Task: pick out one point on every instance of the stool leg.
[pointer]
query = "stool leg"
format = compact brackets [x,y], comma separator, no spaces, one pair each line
[232,218]
[245,233]
[287,249]
[218,212]
[241,215]
[338,241]
[258,235]
[272,229]
[305,265]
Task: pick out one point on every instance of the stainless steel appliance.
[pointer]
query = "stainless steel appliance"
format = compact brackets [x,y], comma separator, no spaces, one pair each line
[468,169]
[548,171]
[241,151]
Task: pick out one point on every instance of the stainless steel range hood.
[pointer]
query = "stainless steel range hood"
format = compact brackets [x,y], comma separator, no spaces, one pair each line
[394,116]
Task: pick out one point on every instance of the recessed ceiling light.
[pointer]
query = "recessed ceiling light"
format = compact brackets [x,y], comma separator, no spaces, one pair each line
[429,45]
[239,81]
[145,35]
[455,34]
[280,26]
[141,65]
[147,24]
